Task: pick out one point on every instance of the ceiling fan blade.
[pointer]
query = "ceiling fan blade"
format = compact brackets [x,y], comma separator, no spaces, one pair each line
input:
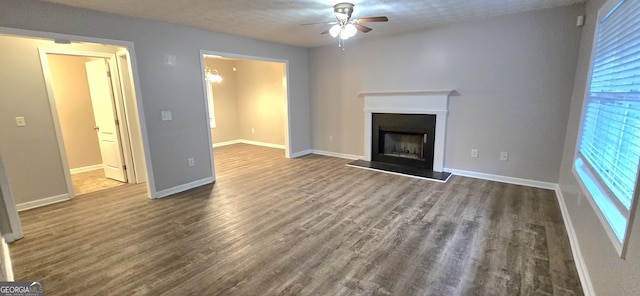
[373,19]
[322,23]
[363,29]
[325,31]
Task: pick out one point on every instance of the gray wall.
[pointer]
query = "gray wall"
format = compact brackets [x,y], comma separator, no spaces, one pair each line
[163,87]
[609,274]
[514,75]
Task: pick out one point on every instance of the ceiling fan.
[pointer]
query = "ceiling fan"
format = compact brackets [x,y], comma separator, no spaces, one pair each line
[345,27]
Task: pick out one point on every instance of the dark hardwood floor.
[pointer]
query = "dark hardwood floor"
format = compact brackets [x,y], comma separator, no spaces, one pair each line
[307,226]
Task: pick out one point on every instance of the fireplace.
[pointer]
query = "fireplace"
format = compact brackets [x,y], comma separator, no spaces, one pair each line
[404,132]
[404,139]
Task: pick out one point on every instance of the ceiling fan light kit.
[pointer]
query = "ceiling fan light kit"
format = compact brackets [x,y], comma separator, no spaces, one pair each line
[345,27]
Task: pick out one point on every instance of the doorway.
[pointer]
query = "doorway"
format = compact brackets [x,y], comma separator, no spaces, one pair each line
[87,93]
[247,101]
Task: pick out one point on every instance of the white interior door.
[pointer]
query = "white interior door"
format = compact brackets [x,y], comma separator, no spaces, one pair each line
[106,124]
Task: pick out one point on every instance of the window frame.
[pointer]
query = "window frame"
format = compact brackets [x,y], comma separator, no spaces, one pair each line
[597,193]
[211,105]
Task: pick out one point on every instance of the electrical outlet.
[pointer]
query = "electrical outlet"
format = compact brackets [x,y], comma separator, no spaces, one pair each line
[166,115]
[504,156]
[191,161]
[20,121]
[474,153]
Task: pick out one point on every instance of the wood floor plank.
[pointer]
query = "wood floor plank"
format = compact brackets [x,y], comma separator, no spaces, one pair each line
[306,226]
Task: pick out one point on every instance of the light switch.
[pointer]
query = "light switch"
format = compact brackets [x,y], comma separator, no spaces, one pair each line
[20,121]
[166,115]
[170,60]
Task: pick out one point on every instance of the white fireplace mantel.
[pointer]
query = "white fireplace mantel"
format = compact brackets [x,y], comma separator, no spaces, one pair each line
[433,101]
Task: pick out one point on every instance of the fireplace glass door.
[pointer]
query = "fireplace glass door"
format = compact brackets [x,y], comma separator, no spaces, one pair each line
[403,139]
[406,145]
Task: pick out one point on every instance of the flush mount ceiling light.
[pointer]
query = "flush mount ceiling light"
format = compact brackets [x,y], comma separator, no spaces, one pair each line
[212,75]
[345,27]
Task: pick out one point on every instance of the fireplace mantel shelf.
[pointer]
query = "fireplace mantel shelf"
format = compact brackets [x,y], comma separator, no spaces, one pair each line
[432,92]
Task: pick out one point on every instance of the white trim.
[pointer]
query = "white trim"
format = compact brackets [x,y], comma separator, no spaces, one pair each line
[335,154]
[46,71]
[581,266]
[137,173]
[10,206]
[580,167]
[184,187]
[301,153]
[86,168]
[206,86]
[399,174]
[243,141]
[6,272]
[42,202]
[504,179]
[263,144]
[226,143]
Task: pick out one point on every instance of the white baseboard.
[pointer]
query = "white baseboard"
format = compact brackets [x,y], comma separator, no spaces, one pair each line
[226,143]
[335,154]
[581,266]
[263,144]
[243,141]
[301,153]
[86,168]
[42,202]
[504,179]
[183,187]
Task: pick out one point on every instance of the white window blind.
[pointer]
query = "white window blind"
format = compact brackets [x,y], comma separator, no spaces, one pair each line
[610,138]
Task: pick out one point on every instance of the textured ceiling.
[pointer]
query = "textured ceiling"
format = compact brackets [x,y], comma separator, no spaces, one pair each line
[279,20]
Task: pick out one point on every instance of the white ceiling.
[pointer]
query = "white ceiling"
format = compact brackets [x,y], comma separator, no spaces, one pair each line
[279,20]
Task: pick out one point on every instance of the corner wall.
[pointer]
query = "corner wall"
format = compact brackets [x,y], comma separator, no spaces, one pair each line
[608,274]
[514,75]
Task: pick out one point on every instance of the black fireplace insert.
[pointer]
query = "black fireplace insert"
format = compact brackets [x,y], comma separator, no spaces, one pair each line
[404,139]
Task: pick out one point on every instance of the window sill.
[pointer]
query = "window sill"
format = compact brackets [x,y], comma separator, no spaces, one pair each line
[612,220]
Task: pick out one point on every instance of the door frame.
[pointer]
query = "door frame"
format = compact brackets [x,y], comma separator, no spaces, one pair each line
[10,207]
[287,117]
[130,107]
[119,106]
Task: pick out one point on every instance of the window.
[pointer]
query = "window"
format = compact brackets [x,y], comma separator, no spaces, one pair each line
[608,150]
[212,110]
